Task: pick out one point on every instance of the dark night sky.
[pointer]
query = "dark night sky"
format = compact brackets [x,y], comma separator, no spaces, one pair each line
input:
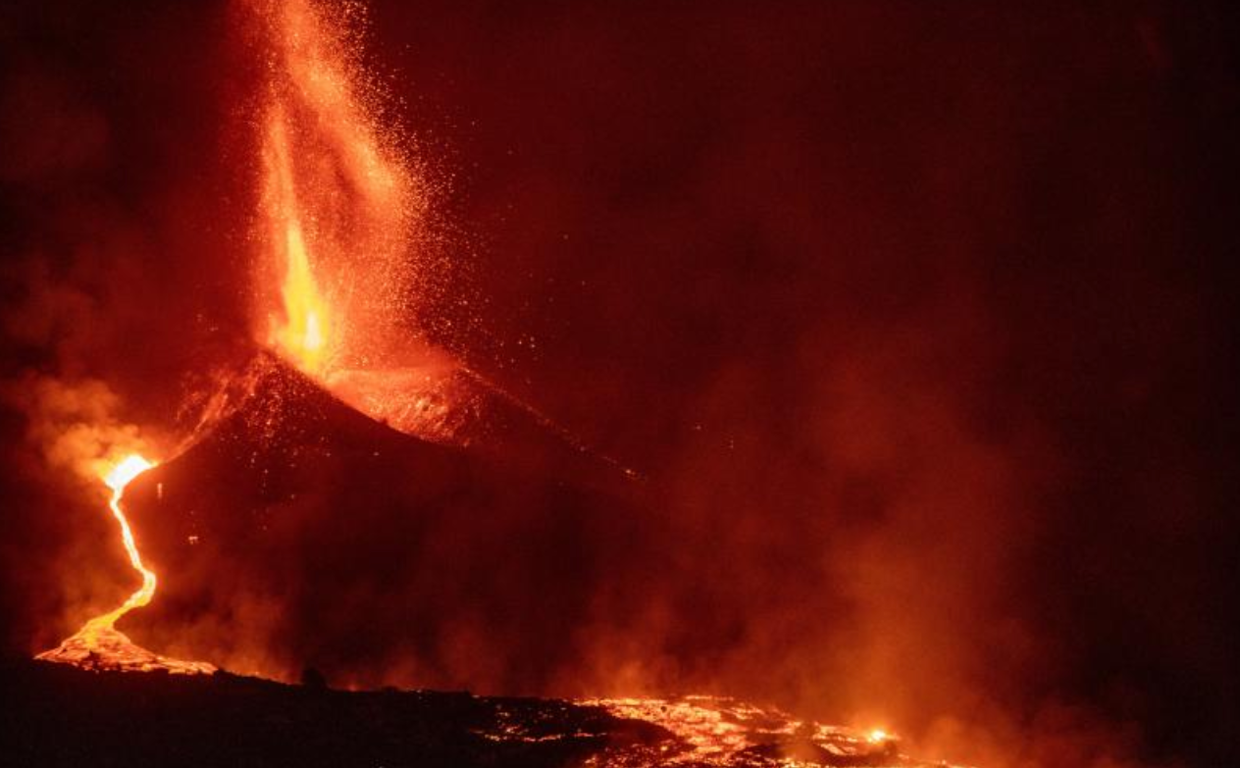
[915,318]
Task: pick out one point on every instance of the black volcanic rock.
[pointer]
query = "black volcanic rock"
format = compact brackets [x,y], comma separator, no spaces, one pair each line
[300,532]
[57,715]
[60,716]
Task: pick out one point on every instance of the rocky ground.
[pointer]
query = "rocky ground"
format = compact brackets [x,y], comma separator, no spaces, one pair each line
[58,715]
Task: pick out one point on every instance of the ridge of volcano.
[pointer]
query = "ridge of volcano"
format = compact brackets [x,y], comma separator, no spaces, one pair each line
[299,532]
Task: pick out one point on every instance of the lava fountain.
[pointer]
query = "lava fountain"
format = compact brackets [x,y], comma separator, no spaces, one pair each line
[338,262]
[337,201]
[301,334]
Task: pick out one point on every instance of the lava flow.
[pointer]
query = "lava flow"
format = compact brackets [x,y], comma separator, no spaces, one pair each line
[99,644]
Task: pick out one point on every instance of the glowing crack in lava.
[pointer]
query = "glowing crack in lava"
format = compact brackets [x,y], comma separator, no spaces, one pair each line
[720,731]
[99,644]
[715,732]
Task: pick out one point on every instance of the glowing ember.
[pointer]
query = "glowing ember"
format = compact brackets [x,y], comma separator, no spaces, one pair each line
[98,644]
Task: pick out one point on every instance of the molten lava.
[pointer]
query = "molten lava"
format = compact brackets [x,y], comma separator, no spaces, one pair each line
[719,731]
[98,644]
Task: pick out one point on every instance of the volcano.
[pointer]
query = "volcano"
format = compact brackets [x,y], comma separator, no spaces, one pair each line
[300,532]
[308,536]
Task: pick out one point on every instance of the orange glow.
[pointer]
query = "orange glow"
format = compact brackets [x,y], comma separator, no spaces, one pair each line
[98,644]
[878,734]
